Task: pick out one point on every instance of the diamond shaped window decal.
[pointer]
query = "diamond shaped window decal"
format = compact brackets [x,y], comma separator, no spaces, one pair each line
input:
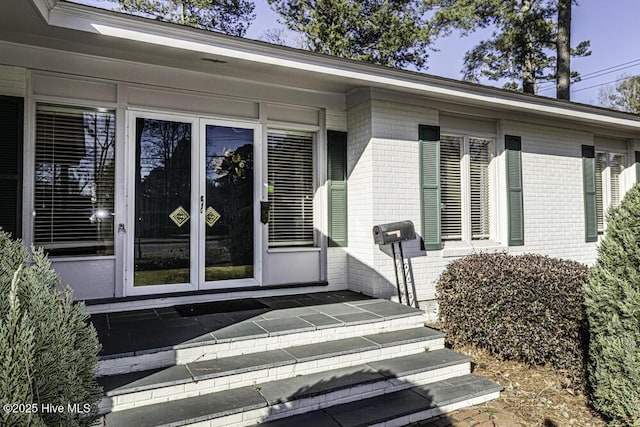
[211,216]
[179,216]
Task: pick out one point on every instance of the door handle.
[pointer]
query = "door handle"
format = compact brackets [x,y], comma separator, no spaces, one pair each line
[264,211]
[201,204]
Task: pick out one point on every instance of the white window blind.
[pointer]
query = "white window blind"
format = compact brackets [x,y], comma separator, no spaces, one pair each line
[617,165]
[74,180]
[601,164]
[290,174]
[479,158]
[450,188]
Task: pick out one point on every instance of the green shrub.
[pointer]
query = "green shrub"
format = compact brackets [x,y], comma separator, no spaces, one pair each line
[48,350]
[612,299]
[527,308]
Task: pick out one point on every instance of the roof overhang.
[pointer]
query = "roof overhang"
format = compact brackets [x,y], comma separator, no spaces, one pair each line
[267,61]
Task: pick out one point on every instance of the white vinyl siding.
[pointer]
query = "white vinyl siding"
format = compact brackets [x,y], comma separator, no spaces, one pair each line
[464,178]
[74,180]
[290,175]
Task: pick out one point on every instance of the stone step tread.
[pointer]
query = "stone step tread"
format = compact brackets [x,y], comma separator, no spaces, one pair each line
[188,411]
[323,382]
[215,405]
[305,319]
[394,405]
[132,334]
[197,371]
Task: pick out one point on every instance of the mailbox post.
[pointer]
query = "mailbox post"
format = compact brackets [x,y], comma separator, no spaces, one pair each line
[393,234]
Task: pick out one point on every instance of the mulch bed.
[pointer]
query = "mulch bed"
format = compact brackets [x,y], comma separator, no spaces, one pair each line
[535,396]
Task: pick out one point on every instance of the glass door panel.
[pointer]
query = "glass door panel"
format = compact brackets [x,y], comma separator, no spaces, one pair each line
[162,242]
[228,207]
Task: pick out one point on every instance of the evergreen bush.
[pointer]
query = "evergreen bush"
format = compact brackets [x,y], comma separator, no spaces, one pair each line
[527,308]
[48,349]
[612,299]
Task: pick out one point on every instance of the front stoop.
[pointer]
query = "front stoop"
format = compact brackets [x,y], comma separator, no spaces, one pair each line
[358,362]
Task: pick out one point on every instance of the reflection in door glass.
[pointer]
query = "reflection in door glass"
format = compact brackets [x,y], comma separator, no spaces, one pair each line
[229,203]
[163,202]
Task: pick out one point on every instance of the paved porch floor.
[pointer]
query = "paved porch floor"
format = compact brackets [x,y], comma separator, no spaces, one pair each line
[143,331]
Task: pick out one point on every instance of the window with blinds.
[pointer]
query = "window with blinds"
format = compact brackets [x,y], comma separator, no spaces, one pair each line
[611,182]
[74,180]
[617,162]
[600,166]
[479,158]
[450,188]
[290,175]
[464,187]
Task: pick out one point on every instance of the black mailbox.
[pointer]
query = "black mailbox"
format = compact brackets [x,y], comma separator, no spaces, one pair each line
[393,232]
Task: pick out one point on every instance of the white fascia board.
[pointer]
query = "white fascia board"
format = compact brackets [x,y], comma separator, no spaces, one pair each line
[77,17]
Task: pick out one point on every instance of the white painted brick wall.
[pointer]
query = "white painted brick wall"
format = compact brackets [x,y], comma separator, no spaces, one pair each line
[13,81]
[396,189]
[336,120]
[383,187]
[553,192]
[395,186]
[360,197]
[337,268]
[399,121]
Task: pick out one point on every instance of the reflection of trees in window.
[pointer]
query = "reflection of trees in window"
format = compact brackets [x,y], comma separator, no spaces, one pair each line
[74,180]
[230,192]
[164,175]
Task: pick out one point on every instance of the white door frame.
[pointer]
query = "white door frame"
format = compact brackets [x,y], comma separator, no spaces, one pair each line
[198,186]
[256,280]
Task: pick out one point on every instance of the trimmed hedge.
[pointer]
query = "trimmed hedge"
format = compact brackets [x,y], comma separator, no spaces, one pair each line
[613,310]
[527,308]
[48,350]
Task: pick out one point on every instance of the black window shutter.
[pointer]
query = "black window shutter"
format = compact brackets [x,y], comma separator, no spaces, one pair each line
[337,187]
[589,187]
[429,137]
[513,150]
[637,167]
[11,122]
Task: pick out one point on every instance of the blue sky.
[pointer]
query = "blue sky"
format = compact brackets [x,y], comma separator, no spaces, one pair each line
[613,26]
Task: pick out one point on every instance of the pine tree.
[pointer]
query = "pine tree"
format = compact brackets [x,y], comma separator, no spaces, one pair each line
[523,44]
[48,350]
[612,300]
[227,16]
[563,48]
[384,32]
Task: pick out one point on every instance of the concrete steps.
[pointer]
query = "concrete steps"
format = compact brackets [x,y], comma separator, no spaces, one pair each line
[327,361]
[209,376]
[270,331]
[399,408]
[273,400]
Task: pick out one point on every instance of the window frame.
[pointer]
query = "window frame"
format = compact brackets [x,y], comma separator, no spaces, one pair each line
[313,132]
[465,182]
[606,181]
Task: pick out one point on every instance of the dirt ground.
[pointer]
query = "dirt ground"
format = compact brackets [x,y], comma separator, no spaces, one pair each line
[532,396]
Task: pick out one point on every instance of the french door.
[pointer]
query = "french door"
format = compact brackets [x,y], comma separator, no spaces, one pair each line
[192,204]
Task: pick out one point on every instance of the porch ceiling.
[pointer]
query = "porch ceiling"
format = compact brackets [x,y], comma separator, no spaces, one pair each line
[21,23]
